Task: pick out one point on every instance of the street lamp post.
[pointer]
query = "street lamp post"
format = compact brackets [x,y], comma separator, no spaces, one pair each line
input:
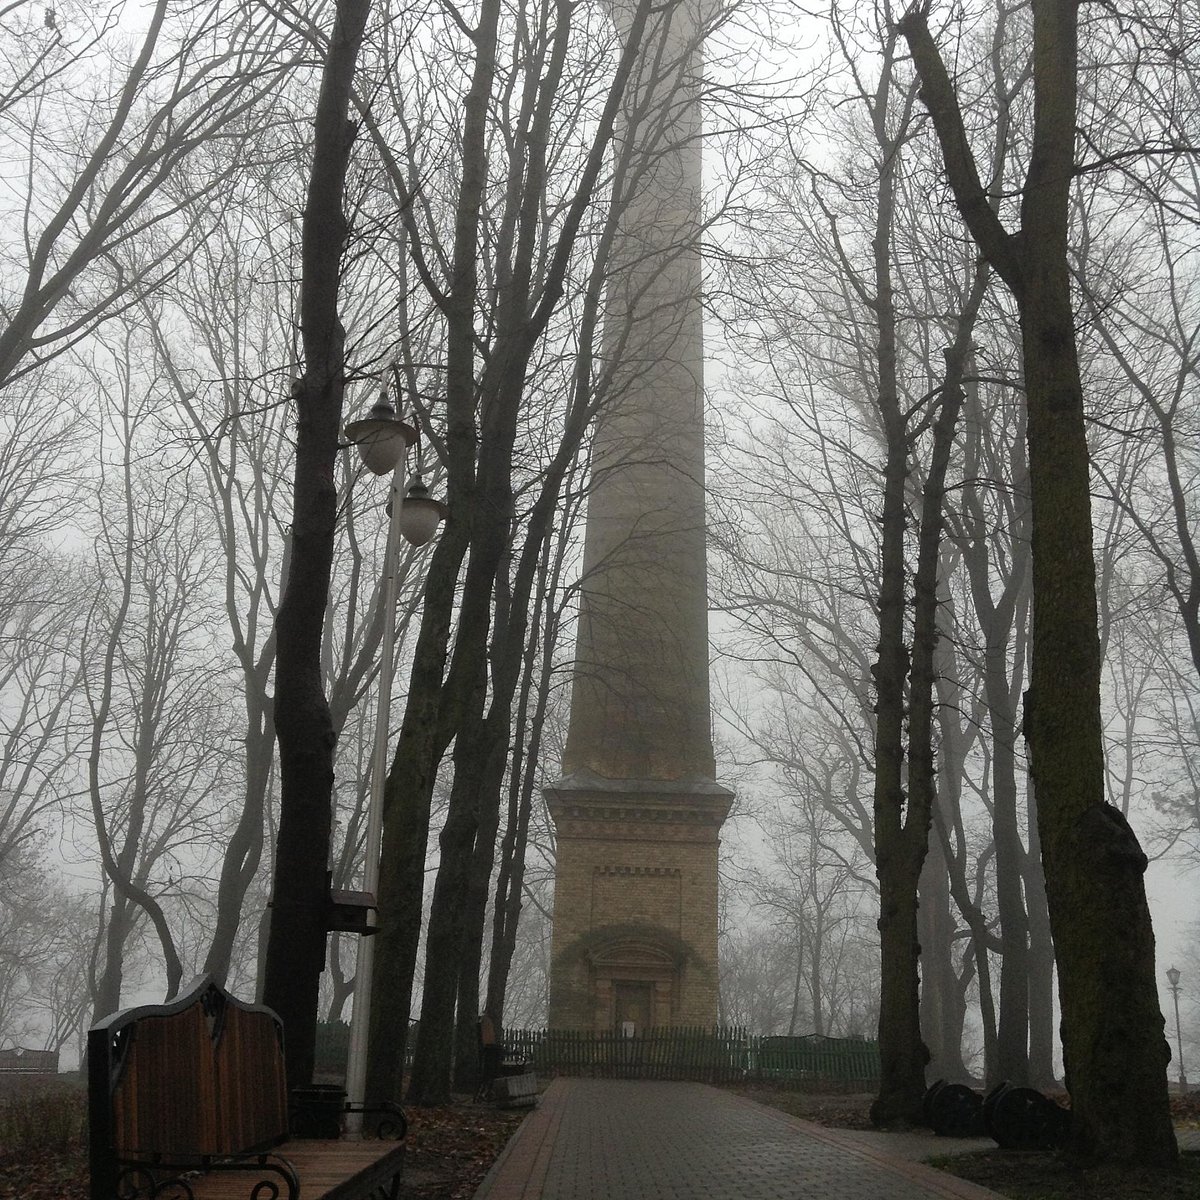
[1173,982]
[413,516]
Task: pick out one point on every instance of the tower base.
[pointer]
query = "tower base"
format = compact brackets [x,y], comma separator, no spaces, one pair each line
[635,902]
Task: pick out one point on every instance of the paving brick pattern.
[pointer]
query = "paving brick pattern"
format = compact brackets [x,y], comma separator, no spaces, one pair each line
[617,1140]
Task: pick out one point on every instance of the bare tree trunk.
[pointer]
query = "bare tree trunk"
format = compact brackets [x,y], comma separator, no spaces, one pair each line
[296,943]
[506,911]
[243,853]
[1041,961]
[952,839]
[901,821]
[1113,1044]
[998,621]
[922,775]
[116,934]
[797,981]
[942,1007]
[453,707]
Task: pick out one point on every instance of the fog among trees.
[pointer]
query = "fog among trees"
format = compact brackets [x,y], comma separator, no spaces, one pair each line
[952,296]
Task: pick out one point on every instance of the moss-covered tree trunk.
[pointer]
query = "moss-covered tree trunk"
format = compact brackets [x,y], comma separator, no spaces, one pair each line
[296,944]
[1112,1029]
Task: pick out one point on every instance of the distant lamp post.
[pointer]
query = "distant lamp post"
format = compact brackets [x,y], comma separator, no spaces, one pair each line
[383,441]
[1173,983]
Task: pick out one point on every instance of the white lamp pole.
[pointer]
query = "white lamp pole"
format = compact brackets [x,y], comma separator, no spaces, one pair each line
[413,514]
[356,1063]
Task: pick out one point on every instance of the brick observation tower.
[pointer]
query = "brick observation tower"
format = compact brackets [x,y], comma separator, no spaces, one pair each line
[638,811]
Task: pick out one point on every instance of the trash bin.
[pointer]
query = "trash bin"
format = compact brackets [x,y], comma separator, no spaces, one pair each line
[317,1110]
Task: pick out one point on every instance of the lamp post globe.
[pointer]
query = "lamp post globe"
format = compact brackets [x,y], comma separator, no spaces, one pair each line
[382,439]
[420,513]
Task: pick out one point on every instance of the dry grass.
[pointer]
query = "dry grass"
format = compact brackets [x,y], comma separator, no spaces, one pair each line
[42,1140]
[43,1151]
[49,1118]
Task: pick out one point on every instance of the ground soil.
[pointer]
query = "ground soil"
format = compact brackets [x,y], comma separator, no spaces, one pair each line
[1038,1176]
[451,1149]
[1019,1175]
[1046,1176]
[836,1111]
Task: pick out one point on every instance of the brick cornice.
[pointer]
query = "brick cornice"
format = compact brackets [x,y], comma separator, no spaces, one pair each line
[582,803]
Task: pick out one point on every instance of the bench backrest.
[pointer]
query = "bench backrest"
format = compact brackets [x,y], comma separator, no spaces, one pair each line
[486,1028]
[200,1076]
[18,1061]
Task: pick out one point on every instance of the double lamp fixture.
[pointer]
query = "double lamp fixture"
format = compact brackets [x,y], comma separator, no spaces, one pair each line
[382,440]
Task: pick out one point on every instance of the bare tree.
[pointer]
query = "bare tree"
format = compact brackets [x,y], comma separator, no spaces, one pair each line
[448,693]
[95,163]
[303,722]
[153,748]
[1094,865]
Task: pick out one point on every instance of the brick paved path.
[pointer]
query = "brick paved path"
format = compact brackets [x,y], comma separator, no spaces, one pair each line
[593,1139]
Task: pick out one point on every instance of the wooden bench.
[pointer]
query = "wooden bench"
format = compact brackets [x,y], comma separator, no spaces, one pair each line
[188,1100]
[18,1061]
[499,1066]
[515,1091]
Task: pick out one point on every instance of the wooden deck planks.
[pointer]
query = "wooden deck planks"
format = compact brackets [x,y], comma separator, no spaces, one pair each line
[323,1168]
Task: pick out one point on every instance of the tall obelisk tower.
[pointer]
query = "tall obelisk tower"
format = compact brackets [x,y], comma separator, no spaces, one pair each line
[638,810]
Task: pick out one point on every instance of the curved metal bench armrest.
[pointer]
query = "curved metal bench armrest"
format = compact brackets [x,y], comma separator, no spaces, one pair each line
[392,1124]
[145,1179]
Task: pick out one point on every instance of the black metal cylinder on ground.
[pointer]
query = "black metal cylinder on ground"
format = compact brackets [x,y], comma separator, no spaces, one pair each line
[953,1110]
[1020,1118]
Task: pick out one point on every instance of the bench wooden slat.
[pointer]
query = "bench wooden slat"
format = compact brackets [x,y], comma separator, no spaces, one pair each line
[163,1049]
[226,1089]
[252,1101]
[327,1170]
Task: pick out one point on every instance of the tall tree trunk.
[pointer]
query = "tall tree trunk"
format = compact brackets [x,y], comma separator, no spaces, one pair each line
[116,934]
[479,880]
[506,908]
[942,1007]
[1113,1044]
[997,620]
[303,725]
[797,982]
[952,839]
[898,853]
[433,1055]
[1041,961]
[922,774]
[430,721]
[243,852]
[1012,1035]
[407,810]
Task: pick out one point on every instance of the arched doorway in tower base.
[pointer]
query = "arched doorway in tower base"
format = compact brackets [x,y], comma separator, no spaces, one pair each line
[634,984]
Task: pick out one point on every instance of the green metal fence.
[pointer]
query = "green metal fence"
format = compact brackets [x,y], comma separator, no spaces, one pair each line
[816,1060]
[706,1055]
